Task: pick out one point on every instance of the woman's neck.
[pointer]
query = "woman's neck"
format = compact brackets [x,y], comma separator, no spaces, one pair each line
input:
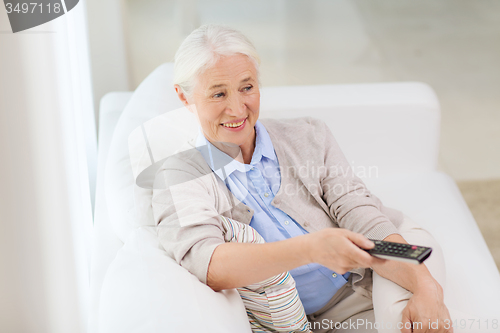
[247,153]
[243,153]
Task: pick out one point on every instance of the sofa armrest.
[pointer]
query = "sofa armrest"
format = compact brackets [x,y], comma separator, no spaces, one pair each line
[105,243]
[434,201]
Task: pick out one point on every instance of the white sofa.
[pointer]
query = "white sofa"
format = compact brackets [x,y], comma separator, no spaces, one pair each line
[389,131]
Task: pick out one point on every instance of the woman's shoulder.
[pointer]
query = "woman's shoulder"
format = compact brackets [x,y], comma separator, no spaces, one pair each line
[292,123]
[293,129]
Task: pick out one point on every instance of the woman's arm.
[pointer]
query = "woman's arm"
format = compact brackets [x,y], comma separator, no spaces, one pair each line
[409,276]
[236,265]
[427,301]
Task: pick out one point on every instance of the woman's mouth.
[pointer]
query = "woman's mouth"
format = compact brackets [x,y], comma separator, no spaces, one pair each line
[236,126]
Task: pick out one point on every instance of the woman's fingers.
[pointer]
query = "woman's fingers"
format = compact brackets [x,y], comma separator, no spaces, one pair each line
[356,255]
[360,240]
[342,250]
[406,322]
[360,257]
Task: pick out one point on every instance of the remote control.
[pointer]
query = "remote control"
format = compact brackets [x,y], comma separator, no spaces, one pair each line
[402,252]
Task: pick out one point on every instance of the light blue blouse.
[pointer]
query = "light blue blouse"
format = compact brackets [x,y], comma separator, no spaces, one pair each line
[255,185]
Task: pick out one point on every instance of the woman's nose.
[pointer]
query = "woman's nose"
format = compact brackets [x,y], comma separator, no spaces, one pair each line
[236,106]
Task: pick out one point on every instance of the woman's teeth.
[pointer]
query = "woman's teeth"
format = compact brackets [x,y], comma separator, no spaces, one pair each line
[234,124]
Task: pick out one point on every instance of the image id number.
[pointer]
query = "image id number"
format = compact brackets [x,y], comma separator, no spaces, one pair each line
[33,7]
[472,324]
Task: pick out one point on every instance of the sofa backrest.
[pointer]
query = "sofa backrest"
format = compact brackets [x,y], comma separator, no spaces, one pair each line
[387,127]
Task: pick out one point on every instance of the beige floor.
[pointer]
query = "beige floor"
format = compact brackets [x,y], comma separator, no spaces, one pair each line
[453,45]
[483,198]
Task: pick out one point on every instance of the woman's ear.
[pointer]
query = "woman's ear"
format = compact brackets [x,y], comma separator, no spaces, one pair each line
[182,96]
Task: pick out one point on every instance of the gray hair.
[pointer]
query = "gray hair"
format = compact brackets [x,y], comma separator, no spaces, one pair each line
[203,48]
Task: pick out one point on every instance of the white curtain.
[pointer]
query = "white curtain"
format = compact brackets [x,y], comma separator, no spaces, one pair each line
[47,175]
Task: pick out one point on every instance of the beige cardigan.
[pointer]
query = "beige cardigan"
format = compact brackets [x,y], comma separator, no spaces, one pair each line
[318,190]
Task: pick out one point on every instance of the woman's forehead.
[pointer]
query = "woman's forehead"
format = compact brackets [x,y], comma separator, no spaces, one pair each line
[235,69]
[217,84]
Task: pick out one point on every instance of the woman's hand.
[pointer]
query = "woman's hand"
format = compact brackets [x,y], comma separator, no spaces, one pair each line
[339,250]
[427,307]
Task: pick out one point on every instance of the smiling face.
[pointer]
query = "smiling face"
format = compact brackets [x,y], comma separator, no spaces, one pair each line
[227,100]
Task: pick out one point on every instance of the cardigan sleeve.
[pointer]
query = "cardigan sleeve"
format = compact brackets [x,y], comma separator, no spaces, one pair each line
[188,225]
[349,201]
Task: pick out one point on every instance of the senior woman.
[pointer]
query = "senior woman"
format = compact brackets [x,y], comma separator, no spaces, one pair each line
[289,180]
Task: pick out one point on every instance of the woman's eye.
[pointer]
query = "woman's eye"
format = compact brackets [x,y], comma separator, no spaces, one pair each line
[248,88]
[218,95]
